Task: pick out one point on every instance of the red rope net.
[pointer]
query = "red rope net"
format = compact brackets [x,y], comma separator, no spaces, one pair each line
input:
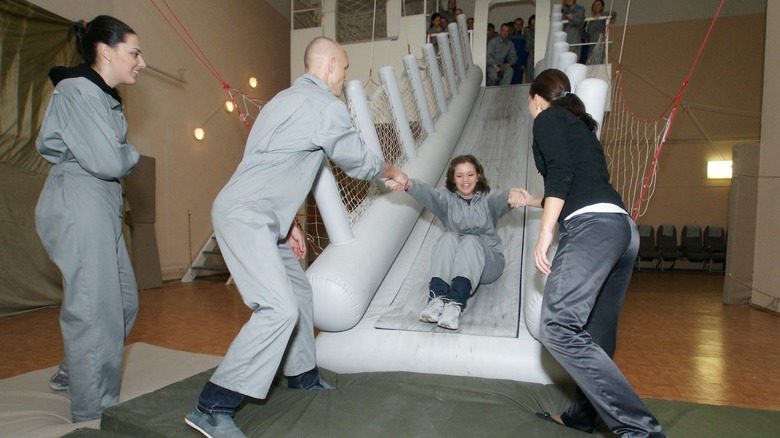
[633,145]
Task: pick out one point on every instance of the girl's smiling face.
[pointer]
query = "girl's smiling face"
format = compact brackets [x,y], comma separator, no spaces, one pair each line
[466,178]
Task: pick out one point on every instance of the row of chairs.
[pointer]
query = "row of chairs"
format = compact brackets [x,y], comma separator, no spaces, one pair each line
[694,246]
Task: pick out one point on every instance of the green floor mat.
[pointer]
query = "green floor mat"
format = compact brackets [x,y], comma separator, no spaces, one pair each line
[398,404]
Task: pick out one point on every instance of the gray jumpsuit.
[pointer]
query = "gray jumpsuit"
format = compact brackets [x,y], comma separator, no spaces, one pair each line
[252,215]
[79,221]
[470,247]
[500,52]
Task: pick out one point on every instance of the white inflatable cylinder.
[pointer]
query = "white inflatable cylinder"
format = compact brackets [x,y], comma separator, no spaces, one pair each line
[435,74]
[576,73]
[449,67]
[558,49]
[357,96]
[413,73]
[593,93]
[460,62]
[334,214]
[555,28]
[566,59]
[387,78]
[559,37]
[464,37]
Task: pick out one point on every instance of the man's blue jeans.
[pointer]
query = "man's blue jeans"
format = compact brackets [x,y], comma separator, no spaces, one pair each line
[215,399]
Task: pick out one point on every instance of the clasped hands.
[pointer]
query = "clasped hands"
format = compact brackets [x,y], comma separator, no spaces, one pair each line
[519,197]
[397,186]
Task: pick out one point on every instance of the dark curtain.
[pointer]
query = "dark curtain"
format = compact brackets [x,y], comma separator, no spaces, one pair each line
[32,40]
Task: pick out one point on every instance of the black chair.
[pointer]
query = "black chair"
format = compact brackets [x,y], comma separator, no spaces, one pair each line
[692,245]
[666,240]
[648,251]
[715,243]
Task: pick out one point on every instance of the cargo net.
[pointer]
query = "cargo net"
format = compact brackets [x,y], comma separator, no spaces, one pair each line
[386,127]
[430,92]
[454,52]
[632,146]
[444,79]
[357,195]
[597,54]
[360,20]
[412,111]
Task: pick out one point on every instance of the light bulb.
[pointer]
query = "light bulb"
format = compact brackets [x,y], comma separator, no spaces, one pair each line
[253,82]
[229,107]
[199,133]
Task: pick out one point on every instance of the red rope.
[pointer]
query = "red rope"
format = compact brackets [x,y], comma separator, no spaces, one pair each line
[676,103]
[200,55]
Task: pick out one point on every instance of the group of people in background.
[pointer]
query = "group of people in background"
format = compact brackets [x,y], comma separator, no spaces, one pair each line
[582,34]
[79,221]
[510,48]
[510,52]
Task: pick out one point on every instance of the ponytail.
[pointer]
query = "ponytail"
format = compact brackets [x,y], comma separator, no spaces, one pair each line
[102,29]
[554,86]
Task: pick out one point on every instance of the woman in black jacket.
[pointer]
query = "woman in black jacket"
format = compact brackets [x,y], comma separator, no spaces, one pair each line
[589,275]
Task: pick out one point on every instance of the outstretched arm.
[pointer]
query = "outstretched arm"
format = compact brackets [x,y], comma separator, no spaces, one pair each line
[397,180]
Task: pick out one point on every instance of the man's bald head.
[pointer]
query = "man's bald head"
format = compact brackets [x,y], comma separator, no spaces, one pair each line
[327,60]
[319,50]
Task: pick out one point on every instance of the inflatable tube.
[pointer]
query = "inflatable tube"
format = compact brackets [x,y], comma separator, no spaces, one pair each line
[593,93]
[576,73]
[345,277]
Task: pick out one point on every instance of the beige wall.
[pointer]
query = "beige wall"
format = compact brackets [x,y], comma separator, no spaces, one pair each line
[766,278]
[250,38]
[720,107]
[241,38]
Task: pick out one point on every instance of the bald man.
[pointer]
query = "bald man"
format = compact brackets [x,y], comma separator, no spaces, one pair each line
[253,218]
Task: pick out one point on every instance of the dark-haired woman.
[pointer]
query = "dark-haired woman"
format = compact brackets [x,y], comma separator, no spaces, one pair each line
[588,278]
[79,212]
[470,251]
[435,28]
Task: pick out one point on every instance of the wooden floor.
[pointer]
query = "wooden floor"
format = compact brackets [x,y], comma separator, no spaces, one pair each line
[677,340]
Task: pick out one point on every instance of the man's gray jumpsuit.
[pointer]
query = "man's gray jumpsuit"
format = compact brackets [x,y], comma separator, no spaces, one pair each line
[470,247]
[79,221]
[500,52]
[252,216]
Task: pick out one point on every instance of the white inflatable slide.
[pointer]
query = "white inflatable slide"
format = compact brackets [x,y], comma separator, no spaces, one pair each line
[358,278]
